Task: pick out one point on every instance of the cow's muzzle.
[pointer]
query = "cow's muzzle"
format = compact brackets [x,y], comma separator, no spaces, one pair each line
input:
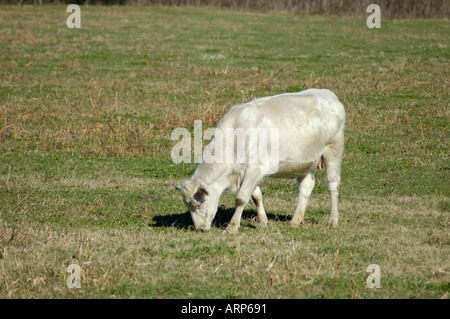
[203,228]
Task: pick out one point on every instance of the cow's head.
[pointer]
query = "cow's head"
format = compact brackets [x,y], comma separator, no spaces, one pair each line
[201,201]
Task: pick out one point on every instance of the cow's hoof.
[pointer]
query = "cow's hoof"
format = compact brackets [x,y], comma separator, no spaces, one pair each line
[296,223]
[230,230]
[261,224]
[332,224]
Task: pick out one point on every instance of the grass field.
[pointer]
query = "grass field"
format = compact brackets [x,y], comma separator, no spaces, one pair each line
[86,175]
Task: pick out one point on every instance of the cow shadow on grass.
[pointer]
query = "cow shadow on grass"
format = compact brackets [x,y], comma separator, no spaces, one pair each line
[222,219]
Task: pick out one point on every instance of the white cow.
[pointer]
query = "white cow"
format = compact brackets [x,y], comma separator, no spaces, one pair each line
[310,127]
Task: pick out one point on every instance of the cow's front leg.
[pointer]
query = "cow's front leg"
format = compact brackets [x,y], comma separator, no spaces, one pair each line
[305,187]
[250,182]
[257,198]
[235,222]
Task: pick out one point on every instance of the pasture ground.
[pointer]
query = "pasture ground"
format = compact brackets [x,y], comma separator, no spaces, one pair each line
[86,176]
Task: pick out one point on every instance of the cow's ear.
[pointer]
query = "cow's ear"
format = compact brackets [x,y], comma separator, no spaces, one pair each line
[200,195]
[178,187]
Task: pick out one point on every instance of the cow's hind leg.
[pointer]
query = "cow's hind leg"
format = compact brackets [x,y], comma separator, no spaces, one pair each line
[333,159]
[258,200]
[305,187]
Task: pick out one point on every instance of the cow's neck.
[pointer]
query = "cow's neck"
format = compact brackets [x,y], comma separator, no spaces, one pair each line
[211,173]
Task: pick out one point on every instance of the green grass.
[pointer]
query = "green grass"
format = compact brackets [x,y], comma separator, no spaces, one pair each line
[86,176]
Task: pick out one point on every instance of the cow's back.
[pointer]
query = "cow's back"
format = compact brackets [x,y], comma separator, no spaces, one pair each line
[295,114]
